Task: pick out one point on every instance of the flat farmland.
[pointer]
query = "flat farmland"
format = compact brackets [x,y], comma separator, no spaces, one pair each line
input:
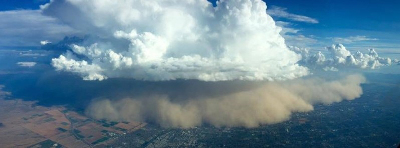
[25,124]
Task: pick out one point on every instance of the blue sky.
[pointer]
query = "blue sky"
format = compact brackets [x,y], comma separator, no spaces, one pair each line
[21,4]
[371,18]
[357,24]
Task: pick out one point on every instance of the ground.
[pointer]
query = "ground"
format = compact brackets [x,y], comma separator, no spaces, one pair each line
[369,121]
[24,124]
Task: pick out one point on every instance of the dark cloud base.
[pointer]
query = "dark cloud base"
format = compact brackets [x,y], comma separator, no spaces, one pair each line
[54,88]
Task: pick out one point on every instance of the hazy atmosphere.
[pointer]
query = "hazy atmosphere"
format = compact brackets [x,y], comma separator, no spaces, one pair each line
[167,73]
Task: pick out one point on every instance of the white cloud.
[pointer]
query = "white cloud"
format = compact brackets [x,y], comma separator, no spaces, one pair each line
[28,28]
[293,36]
[299,40]
[352,39]
[168,40]
[286,28]
[396,61]
[44,42]
[33,53]
[282,13]
[26,64]
[67,62]
[339,58]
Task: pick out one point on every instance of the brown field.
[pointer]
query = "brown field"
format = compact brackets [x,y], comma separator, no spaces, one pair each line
[12,134]
[69,140]
[58,116]
[91,131]
[17,136]
[25,124]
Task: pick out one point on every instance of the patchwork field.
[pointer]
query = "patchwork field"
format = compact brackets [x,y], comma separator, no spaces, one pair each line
[24,124]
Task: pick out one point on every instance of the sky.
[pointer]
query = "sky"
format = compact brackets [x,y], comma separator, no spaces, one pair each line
[376,24]
[371,19]
[21,4]
[357,24]
[314,24]
[237,48]
[344,19]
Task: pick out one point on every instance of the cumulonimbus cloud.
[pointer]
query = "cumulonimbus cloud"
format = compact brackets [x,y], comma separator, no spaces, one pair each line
[167,40]
[269,103]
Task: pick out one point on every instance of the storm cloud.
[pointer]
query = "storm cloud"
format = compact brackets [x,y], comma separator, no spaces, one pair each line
[223,65]
[168,40]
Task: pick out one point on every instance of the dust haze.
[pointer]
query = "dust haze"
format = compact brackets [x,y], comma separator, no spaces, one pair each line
[249,105]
